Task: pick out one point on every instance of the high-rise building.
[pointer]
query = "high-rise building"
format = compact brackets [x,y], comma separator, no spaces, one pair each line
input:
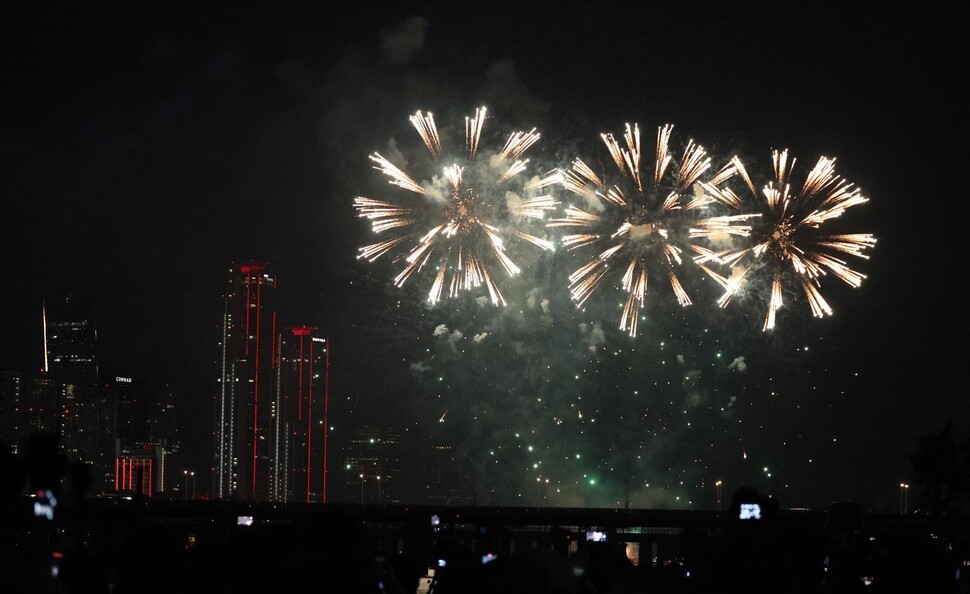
[41,409]
[71,366]
[11,395]
[126,401]
[82,430]
[137,419]
[163,430]
[371,463]
[244,394]
[161,421]
[122,419]
[300,416]
[70,342]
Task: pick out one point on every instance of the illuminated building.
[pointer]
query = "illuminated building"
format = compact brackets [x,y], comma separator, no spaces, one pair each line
[70,343]
[11,388]
[82,429]
[372,463]
[161,420]
[124,394]
[300,417]
[136,414]
[163,430]
[41,408]
[68,399]
[121,418]
[139,468]
[243,430]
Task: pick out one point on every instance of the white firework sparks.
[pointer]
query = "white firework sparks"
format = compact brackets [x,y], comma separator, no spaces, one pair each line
[464,235]
[636,226]
[789,238]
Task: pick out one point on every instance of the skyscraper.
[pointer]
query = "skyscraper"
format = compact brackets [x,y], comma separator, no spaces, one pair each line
[79,410]
[301,410]
[41,409]
[244,394]
[81,430]
[11,396]
[71,342]
[123,418]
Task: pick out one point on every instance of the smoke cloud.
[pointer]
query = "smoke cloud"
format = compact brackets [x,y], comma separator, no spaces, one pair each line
[401,41]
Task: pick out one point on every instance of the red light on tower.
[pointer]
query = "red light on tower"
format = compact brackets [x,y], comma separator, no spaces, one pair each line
[252,267]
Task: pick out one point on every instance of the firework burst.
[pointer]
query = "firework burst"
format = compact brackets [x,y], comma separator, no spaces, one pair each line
[788,237]
[638,225]
[459,223]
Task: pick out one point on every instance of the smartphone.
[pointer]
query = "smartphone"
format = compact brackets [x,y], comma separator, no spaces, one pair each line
[749,511]
[44,504]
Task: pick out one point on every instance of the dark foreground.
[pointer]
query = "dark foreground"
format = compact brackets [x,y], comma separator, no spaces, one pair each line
[128,546]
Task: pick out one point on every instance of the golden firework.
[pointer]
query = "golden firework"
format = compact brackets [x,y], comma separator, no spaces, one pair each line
[459,222]
[789,238]
[638,227]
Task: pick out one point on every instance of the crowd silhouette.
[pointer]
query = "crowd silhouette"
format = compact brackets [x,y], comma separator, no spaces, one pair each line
[754,549]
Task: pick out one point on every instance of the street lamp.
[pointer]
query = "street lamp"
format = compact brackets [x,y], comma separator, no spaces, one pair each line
[362,488]
[185,486]
[718,487]
[903,498]
[379,498]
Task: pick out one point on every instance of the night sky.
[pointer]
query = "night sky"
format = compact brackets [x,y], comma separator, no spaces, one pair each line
[146,146]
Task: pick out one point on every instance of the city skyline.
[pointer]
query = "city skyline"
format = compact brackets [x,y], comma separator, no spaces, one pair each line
[144,155]
[102,417]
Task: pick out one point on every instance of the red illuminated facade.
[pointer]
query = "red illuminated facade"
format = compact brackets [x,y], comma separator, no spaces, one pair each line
[244,413]
[272,398]
[302,400]
[139,469]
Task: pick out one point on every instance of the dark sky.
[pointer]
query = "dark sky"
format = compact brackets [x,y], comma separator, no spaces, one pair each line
[145,146]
